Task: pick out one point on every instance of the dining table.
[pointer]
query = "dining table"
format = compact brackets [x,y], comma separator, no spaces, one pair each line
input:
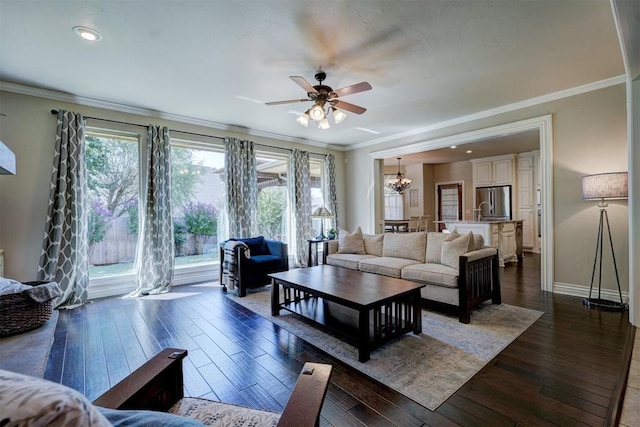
[397,224]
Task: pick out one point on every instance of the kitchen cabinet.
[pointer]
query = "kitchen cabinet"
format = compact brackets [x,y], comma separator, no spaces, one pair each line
[526,190]
[493,171]
[506,236]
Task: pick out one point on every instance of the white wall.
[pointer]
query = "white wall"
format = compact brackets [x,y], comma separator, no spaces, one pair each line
[29,131]
[589,136]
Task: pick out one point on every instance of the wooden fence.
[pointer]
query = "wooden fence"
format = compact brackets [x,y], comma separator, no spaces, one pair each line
[119,245]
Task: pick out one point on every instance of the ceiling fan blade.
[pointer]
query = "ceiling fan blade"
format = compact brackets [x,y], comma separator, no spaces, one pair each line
[300,81]
[290,101]
[349,107]
[359,87]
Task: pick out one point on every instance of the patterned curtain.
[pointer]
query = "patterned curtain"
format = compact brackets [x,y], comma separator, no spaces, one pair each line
[330,197]
[65,247]
[301,202]
[155,257]
[241,187]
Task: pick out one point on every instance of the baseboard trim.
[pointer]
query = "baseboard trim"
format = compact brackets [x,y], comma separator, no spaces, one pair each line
[583,292]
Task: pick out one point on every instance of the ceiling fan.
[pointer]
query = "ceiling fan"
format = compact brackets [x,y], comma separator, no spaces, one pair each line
[325,100]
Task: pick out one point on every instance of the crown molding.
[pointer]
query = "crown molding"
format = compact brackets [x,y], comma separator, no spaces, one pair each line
[566,93]
[123,108]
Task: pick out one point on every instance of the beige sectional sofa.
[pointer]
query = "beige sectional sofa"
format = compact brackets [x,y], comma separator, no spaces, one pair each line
[458,270]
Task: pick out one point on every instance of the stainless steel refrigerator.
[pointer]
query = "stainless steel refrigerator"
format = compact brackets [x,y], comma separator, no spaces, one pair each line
[494,202]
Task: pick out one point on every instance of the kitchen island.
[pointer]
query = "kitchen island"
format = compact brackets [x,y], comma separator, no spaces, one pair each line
[505,235]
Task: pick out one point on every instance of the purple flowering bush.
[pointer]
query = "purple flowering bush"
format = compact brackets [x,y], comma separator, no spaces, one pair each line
[201,218]
[99,222]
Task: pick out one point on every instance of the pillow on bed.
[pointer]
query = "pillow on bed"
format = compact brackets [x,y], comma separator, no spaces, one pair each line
[351,243]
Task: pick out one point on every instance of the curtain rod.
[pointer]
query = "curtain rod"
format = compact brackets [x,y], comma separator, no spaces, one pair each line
[187,133]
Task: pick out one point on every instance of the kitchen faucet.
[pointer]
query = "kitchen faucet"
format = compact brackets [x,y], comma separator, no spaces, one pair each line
[479,209]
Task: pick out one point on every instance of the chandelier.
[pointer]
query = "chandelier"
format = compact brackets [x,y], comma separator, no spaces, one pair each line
[319,114]
[399,184]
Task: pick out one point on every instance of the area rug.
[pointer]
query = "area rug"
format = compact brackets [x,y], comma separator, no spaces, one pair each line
[28,352]
[427,368]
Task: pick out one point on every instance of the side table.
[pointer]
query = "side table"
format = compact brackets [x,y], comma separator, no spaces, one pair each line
[313,247]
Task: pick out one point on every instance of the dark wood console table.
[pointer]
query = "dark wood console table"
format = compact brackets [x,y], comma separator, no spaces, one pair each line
[383,307]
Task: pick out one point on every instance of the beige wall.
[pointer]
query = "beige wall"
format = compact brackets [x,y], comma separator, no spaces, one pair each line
[29,131]
[589,136]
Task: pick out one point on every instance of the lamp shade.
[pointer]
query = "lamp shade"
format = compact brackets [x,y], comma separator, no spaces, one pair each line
[605,186]
[321,212]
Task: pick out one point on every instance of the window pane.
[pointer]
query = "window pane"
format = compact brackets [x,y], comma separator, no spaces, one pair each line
[273,197]
[319,226]
[393,202]
[197,201]
[112,178]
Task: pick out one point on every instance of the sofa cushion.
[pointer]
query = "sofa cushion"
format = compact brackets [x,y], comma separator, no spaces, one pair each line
[257,245]
[350,243]
[131,418]
[373,244]
[432,273]
[387,266]
[265,262]
[26,400]
[434,246]
[454,246]
[351,261]
[405,245]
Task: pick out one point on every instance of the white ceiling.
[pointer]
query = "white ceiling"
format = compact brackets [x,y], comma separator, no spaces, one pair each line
[218,61]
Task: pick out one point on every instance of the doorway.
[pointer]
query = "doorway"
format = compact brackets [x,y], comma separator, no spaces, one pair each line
[448,203]
[543,125]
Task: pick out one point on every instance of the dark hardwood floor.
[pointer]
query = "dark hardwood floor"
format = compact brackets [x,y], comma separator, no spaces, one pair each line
[566,369]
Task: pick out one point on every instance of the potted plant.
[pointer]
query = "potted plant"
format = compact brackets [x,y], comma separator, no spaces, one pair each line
[331,234]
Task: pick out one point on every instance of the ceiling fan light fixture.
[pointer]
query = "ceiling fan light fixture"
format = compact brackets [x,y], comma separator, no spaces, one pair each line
[303,119]
[316,112]
[338,116]
[324,124]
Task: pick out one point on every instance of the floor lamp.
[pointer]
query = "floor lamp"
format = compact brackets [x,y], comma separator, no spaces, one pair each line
[602,187]
[321,213]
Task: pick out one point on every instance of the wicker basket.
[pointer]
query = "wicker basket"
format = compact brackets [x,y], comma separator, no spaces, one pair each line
[20,313]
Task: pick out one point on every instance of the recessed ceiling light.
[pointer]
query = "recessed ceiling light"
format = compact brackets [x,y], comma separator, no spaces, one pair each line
[453,147]
[87,33]
[469,151]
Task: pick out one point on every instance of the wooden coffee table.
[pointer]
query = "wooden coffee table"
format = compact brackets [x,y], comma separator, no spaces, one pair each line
[384,307]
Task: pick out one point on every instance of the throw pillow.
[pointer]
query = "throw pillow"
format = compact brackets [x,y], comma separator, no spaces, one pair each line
[434,246]
[478,241]
[351,243]
[257,245]
[452,248]
[33,401]
[373,244]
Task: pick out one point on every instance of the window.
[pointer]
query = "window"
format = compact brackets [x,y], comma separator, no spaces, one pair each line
[273,197]
[113,183]
[393,201]
[197,199]
[198,205]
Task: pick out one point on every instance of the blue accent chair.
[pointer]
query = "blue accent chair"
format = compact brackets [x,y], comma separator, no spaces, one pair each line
[267,256]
